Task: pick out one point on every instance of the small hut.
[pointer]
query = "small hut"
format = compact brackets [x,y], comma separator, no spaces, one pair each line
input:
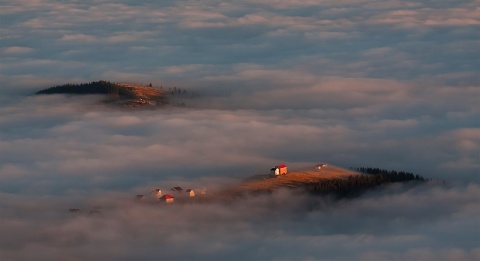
[176,189]
[157,193]
[320,166]
[190,193]
[279,170]
[167,198]
[282,168]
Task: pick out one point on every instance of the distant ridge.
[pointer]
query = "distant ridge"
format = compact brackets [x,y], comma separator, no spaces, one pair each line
[125,94]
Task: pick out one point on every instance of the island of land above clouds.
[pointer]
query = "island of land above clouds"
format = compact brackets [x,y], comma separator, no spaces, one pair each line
[323,179]
[123,94]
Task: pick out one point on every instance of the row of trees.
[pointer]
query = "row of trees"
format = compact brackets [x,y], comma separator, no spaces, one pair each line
[395,176]
[107,87]
[98,87]
[178,92]
[355,185]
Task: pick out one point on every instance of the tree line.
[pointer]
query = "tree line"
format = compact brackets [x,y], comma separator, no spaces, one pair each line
[96,87]
[353,186]
[394,175]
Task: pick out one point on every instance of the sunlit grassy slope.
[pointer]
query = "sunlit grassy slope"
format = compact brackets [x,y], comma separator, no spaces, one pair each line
[296,178]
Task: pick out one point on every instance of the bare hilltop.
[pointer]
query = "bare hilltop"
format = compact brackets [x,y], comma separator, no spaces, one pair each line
[296,178]
[299,178]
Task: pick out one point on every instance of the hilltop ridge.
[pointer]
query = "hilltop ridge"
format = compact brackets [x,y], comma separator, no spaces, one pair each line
[124,94]
[296,178]
[325,179]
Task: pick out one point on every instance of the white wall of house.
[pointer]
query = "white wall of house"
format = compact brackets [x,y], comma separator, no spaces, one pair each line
[157,193]
[275,172]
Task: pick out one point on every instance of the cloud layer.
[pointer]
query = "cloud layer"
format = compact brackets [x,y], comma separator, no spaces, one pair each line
[389,84]
[422,223]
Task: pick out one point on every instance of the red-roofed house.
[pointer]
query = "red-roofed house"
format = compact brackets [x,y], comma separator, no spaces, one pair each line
[167,198]
[279,170]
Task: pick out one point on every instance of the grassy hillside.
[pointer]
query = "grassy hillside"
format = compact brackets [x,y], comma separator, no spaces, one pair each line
[329,180]
[293,179]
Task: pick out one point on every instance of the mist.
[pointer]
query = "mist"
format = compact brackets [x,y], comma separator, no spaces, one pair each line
[423,223]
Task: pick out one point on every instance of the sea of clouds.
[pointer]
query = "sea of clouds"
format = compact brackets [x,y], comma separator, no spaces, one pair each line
[388,84]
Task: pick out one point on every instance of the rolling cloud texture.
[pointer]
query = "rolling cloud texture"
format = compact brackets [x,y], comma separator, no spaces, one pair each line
[389,84]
